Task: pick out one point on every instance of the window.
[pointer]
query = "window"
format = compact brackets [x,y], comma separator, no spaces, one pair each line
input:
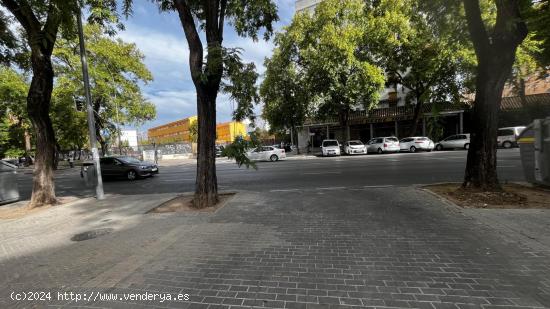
[505,132]
[463,137]
[406,140]
[422,139]
[392,139]
[106,161]
[379,140]
[330,143]
[451,138]
[355,143]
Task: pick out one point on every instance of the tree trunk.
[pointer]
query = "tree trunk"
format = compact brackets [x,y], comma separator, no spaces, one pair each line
[418,107]
[495,52]
[38,107]
[481,167]
[206,184]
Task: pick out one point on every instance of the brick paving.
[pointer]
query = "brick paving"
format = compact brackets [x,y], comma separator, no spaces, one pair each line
[341,248]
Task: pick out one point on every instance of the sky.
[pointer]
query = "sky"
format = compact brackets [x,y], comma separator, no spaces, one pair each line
[160,38]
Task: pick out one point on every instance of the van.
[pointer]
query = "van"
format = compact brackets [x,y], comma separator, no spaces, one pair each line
[507,137]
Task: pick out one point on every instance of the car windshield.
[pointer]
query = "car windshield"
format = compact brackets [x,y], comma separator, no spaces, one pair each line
[355,143]
[330,143]
[422,139]
[129,160]
[392,139]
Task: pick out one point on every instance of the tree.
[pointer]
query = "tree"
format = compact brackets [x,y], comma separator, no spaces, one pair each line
[208,70]
[495,45]
[324,48]
[432,66]
[41,22]
[116,71]
[283,95]
[14,87]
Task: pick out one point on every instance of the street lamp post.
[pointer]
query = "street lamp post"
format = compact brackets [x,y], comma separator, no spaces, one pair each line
[91,121]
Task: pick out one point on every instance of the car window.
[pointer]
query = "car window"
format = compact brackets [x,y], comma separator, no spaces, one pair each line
[406,140]
[330,143]
[129,160]
[505,132]
[355,143]
[392,139]
[451,138]
[463,137]
[267,149]
[421,139]
[106,161]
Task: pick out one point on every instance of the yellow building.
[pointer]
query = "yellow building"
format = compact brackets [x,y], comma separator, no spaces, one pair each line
[178,131]
[227,132]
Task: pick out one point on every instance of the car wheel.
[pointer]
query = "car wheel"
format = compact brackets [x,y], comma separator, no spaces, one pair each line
[412,149]
[131,175]
[467,146]
[274,158]
[439,147]
[507,145]
[380,151]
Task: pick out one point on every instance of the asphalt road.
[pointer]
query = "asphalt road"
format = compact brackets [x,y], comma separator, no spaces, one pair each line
[297,173]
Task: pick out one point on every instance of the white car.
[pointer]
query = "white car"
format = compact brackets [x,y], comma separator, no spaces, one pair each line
[454,142]
[266,153]
[383,144]
[416,143]
[507,137]
[330,147]
[354,147]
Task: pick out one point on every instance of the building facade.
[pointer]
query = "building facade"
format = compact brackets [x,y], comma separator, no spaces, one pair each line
[306,5]
[180,131]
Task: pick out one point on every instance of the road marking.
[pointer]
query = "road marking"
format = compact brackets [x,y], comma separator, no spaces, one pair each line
[175,180]
[331,188]
[285,190]
[321,173]
[380,186]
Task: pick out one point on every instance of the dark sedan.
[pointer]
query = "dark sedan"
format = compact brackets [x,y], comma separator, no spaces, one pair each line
[127,167]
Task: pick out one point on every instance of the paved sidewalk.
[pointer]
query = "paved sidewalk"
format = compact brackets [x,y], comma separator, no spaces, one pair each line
[374,247]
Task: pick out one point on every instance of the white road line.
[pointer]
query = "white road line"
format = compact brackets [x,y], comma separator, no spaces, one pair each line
[321,173]
[285,190]
[380,186]
[331,188]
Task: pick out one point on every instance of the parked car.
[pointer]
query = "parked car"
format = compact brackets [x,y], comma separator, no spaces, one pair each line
[416,143]
[457,141]
[330,147]
[266,153]
[507,137]
[354,147]
[12,162]
[127,167]
[383,145]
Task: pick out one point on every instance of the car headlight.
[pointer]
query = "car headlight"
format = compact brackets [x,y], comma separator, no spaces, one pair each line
[143,167]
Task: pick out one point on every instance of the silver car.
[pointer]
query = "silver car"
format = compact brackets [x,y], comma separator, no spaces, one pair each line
[330,147]
[414,144]
[354,147]
[507,137]
[458,141]
[383,145]
[266,153]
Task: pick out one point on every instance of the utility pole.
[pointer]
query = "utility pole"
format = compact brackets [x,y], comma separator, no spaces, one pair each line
[91,119]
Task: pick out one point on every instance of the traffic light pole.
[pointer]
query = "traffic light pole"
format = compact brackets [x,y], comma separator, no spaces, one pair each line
[91,120]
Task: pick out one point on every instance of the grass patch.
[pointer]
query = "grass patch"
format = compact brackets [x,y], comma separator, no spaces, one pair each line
[513,196]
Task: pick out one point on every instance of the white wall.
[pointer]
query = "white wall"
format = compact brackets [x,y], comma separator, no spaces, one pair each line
[130,136]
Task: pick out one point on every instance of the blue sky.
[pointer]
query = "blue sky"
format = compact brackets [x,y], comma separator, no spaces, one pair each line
[160,38]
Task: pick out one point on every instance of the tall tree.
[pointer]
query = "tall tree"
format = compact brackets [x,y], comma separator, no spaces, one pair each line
[208,70]
[429,65]
[116,72]
[282,92]
[324,47]
[495,45]
[41,22]
[13,116]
